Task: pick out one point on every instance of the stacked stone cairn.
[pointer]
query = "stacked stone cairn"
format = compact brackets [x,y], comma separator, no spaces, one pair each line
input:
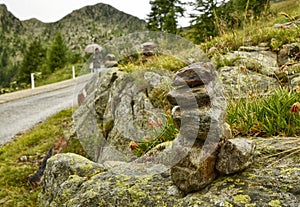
[110,61]
[203,147]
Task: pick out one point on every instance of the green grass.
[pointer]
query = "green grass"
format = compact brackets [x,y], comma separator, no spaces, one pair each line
[162,131]
[265,116]
[261,30]
[59,75]
[165,62]
[15,190]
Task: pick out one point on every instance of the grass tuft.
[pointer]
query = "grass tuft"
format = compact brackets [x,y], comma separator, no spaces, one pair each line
[265,116]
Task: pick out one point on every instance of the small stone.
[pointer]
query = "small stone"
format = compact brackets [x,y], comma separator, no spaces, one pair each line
[196,74]
[110,64]
[148,48]
[110,57]
[235,155]
[196,170]
[23,158]
[187,97]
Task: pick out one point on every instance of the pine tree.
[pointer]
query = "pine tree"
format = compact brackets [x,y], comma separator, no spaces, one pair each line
[33,60]
[164,14]
[203,23]
[57,53]
[232,13]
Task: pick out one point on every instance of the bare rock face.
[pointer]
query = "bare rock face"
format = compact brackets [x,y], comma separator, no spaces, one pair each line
[116,109]
[235,155]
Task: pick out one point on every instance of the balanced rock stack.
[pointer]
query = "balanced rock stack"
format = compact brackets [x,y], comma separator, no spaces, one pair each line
[110,61]
[199,113]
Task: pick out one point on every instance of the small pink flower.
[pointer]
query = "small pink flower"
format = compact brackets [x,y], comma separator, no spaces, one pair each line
[295,108]
[133,145]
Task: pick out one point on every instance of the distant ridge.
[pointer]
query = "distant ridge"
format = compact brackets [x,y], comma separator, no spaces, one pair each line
[97,23]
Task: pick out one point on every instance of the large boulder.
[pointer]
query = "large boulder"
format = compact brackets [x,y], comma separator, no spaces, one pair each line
[272,180]
[116,108]
[250,70]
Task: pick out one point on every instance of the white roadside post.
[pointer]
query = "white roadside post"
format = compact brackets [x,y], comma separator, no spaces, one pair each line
[73,72]
[32,80]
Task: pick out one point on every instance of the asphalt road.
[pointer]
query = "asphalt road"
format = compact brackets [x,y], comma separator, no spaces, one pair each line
[22,110]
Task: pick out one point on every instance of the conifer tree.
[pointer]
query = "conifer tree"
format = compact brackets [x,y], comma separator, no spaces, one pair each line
[33,60]
[164,14]
[57,53]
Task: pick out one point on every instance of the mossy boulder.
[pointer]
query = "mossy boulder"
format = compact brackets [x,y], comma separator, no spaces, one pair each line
[273,180]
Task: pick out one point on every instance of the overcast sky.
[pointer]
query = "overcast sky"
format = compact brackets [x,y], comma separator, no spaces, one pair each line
[54,10]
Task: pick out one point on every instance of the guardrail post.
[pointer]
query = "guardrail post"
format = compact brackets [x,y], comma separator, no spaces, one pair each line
[32,80]
[73,72]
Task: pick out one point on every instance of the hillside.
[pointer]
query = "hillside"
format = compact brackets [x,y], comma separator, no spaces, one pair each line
[91,24]
[98,23]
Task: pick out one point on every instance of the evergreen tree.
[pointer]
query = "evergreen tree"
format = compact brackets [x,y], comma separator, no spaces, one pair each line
[57,53]
[214,14]
[33,60]
[164,14]
[203,24]
[6,69]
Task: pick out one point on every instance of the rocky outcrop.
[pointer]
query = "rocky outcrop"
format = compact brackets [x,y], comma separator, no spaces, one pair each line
[257,70]
[192,170]
[273,180]
[251,70]
[115,109]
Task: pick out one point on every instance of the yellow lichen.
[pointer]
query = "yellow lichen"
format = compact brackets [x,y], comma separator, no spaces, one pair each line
[241,199]
[227,204]
[275,203]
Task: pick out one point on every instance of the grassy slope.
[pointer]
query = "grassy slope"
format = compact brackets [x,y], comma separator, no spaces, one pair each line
[14,187]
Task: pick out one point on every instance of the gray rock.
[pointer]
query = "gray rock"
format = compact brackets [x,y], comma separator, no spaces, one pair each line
[235,155]
[186,97]
[149,48]
[240,82]
[72,180]
[117,111]
[124,185]
[110,61]
[295,81]
[196,74]
[197,169]
[287,53]
[262,47]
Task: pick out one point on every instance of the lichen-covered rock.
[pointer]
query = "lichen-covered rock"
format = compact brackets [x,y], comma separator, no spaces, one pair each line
[65,171]
[124,185]
[240,82]
[272,180]
[235,155]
